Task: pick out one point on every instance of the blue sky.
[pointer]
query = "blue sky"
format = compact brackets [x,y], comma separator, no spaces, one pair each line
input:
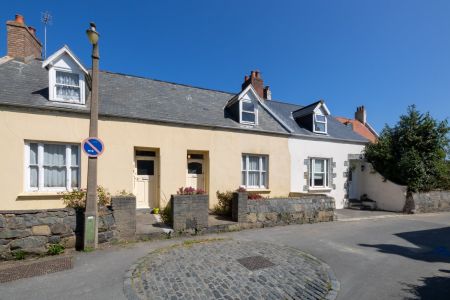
[383,54]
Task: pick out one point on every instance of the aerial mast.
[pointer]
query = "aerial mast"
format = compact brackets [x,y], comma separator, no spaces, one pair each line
[46,19]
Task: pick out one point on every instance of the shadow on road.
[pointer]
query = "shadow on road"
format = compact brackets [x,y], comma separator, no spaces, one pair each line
[432,245]
[433,288]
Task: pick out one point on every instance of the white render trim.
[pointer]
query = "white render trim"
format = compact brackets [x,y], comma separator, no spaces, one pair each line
[64,50]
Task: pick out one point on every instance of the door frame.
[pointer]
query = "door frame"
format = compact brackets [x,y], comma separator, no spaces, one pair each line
[156,173]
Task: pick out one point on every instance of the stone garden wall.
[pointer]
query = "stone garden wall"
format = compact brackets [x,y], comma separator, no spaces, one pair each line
[281,211]
[434,201]
[189,212]
[31,231]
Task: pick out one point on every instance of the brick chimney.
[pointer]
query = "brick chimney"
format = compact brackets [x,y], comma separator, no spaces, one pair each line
[22,40]
[257,82]
[360,114]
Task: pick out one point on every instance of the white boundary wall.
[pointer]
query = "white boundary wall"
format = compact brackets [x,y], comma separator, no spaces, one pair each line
[388,195]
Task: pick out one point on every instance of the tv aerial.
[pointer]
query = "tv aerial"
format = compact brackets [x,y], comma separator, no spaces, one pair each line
[46,19]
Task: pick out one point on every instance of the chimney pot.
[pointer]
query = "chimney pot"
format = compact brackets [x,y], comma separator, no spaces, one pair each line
[32,29]
[20,19]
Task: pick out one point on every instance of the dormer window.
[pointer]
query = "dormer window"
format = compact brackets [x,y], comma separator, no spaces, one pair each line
[248,112]
[67,87]
[66,77]
[320,123]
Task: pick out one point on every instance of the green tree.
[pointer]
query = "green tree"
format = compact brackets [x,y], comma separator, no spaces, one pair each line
[414,152]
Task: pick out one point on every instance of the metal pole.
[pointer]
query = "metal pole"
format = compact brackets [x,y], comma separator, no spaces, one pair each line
[90,221]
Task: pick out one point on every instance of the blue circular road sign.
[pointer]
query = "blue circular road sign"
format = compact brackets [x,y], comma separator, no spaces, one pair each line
[93,147]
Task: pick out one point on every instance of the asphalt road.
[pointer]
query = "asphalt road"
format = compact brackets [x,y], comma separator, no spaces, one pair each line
[399,257]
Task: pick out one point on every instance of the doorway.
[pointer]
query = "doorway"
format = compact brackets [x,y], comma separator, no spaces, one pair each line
[195,171]
[145,179]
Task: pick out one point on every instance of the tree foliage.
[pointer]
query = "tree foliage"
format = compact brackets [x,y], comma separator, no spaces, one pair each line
[414,152]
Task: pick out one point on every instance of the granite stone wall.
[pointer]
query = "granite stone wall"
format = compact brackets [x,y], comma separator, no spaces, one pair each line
[189,212]
[32,231]
[434,201]
[283,211]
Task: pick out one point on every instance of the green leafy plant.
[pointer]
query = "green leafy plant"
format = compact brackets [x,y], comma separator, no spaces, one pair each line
[223,206]
[55,249]
[414,152]
[166,214]
[77,197]
[19,255]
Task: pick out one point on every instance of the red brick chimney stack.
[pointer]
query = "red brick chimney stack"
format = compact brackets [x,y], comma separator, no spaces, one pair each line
[22,40]
[257,82]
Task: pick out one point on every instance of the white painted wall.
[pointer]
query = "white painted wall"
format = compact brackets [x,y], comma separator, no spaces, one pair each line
[301,149]
[388,195]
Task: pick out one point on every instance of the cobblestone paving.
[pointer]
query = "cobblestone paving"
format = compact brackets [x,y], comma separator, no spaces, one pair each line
[210,270]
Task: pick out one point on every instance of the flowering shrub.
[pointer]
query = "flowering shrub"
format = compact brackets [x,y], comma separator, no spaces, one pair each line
[77,198]
[251,196]
[190,191]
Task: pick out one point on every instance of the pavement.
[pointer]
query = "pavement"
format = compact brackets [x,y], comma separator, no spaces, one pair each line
[400,257]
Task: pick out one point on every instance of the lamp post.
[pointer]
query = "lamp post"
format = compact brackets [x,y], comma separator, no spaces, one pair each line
[90,216]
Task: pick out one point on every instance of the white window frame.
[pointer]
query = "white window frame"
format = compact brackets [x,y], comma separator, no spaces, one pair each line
[262,185]
[321,122]
[40,165]
[52,86]
[312,172]
[241,111]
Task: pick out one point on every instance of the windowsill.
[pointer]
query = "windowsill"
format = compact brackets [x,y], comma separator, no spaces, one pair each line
[318,190]
[38,195]
[257,190]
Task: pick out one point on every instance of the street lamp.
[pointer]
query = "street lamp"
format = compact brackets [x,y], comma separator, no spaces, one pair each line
[90,216]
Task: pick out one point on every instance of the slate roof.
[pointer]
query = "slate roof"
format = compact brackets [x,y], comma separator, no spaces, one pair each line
[26,85]
[336,130]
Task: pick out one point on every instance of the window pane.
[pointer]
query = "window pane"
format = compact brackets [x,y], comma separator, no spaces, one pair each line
[320,118]
[145,153]
[33,154]
[264,163]
[54,155]
[253,178]
[319,165]
[319,179]
[320,127]
[74,156]
[34,176]
[74,177]
[67,78]
[195,168]
[248,117]
[145,167]
[248,106]
[253,162]
[244,178]
[264,179]
[54,176]
[244,162]
[68,93]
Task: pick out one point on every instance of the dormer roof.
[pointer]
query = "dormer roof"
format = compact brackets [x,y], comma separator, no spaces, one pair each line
[65,50]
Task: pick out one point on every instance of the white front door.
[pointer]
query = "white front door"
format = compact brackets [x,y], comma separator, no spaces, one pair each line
[145,182]
[195,174]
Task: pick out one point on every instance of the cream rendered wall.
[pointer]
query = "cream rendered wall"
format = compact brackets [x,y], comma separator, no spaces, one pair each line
[116,165]
[301,149]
